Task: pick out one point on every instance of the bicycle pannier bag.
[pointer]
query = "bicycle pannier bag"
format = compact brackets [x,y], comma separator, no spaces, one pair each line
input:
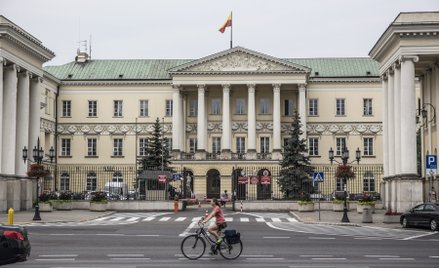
[232,236]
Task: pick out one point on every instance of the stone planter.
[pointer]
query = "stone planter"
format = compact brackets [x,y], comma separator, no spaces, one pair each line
[306,207]
[63,205]
[45,207]
[391,218]
[338,207]
[95,206]
[361,207]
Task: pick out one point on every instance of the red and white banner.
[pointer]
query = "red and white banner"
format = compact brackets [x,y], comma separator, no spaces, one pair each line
[254,180]
[265,180]
[243,180]
[162,178]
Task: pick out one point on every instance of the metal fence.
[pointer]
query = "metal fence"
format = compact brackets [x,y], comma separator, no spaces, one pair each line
[248,183]
[262,184]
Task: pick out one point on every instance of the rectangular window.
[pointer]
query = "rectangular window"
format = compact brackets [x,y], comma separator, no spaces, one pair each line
[265,145]
[67,108]
[216,106]
[143,105]
[193,146]
[265,106]
[118,106]
[368,146]
[92,147]
[240,145]
[240,106]
[368,182]
[46,101]
[340,106]
[65,147]
[288,108]
[65,182]
[340,186]
[92,108]
[367,107]
[91,181]
[216,145]
[193,108]
[313,145]
[117,147]
[168,107]
[341,144]
[143,145]
[313,107]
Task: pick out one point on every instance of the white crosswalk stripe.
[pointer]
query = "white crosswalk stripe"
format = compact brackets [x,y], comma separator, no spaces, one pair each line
[131,218]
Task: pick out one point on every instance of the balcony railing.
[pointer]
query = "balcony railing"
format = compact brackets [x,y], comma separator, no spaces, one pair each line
[213,156]
[239,156]
[263,156]
[217,156]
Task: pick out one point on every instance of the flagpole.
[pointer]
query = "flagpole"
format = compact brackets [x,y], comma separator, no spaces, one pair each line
[231,31]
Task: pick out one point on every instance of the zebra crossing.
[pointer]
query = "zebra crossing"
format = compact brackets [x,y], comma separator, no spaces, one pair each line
[131,218]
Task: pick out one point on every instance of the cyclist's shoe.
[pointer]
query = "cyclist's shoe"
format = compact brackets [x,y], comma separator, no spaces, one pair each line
[213,250]
[219,241]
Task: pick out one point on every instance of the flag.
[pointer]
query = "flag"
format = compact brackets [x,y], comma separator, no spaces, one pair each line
[226,24]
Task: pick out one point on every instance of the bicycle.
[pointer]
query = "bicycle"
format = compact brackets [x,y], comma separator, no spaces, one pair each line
[193,246]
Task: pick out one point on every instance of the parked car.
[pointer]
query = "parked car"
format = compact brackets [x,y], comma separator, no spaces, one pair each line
[14,244]
[423,215]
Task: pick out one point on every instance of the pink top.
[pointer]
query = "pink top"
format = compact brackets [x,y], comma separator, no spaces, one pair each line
[219,215]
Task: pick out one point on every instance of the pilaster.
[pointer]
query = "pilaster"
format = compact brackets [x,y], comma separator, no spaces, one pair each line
[226,139]
[397,116]
[9,119]
[22,134]
[251,117]
[34,111]
[176,120]
[302,109]
[201,123]
[391,121]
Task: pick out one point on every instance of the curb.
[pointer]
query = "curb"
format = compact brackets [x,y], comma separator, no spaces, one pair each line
[63,221]
[294,215]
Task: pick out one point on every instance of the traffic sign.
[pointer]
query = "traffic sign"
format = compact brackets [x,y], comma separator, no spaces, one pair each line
[318,176]
[431,164]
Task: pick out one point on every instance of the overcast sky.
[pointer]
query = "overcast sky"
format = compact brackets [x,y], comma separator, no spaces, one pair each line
[188,29]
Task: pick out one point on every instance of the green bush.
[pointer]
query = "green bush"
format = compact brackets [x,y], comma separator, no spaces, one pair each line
[66,196]
[99,197]
[47,196]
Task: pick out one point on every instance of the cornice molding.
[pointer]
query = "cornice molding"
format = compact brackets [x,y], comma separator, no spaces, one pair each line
[28,45]
[8,57]
[374,79]
[113,82]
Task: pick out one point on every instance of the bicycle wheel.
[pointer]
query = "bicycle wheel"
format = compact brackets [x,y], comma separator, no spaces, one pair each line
[230,251]
[193,247]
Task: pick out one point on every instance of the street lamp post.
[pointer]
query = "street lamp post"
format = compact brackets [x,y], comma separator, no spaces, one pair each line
[345,158]
[38,155]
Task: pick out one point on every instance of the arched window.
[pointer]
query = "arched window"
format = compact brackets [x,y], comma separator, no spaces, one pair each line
[64,182]
[368,182]
[117,177]
[91,181]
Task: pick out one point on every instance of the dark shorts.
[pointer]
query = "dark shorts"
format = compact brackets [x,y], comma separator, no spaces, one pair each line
[221,225]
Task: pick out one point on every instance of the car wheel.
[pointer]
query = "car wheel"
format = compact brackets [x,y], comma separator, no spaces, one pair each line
[433,225]
[405,223]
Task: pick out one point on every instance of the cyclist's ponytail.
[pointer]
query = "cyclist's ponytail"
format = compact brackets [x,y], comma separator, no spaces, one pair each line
[216,202]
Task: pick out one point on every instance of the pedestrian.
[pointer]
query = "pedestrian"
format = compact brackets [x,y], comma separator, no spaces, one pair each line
[432,195]
[224,198]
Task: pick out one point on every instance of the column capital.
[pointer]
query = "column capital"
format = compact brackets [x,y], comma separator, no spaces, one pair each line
[302,86]
[390,71]
[176,86]
[251,88]
[201,87]
[24,73]
[396,64]
[384,76]
[226,87]
[12,66]
[2,60]
[276,86]
[413,58]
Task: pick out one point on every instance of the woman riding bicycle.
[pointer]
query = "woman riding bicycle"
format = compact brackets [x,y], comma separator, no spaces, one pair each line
[220,221]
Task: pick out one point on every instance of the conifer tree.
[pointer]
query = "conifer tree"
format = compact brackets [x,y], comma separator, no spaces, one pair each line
[156,146]
[296,169]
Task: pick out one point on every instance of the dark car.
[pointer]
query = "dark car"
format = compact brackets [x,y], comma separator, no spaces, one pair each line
[423,215]
[14,244]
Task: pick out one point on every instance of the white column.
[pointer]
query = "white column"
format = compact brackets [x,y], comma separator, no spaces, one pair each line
[436,105]
[385,127]
[302,109]
[276,121]
[397,119]
[201,119]
[226,140]
[22,135]
[181,122]
[9,120]
[408,116]
[176,118]
[251,122]
[34,112]
[391,122]
[427,99]
[1,108]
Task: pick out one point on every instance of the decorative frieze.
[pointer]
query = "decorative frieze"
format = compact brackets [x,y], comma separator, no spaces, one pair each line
[343,128]
[103,129]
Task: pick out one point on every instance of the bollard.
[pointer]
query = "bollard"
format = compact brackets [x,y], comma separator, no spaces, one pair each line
[241,205]
[367,216]
[206,214]
[11,216]
[199,204]
[175,205]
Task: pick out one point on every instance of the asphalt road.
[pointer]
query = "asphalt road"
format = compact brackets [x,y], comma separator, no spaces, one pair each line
[270,240]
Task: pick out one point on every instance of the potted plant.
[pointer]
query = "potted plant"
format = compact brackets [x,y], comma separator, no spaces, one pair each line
[392,217]
[305,203]
[46,201]
[366,202]
[65,201]
[98,201]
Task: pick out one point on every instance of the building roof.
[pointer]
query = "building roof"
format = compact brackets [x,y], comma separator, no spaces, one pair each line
[157,69]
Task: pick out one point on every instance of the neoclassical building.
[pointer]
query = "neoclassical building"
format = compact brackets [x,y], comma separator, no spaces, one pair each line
[232,111]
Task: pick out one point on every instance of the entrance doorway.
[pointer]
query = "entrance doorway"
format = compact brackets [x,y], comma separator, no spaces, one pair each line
[213,184]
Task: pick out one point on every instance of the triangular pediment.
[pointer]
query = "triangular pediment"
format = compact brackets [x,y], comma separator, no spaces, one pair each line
[239,60]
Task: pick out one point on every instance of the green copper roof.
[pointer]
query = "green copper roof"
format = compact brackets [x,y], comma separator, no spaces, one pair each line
[156,69]
[340,67]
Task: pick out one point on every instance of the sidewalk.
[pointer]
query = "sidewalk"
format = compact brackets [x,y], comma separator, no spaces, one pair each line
[24,217]
[334,218]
